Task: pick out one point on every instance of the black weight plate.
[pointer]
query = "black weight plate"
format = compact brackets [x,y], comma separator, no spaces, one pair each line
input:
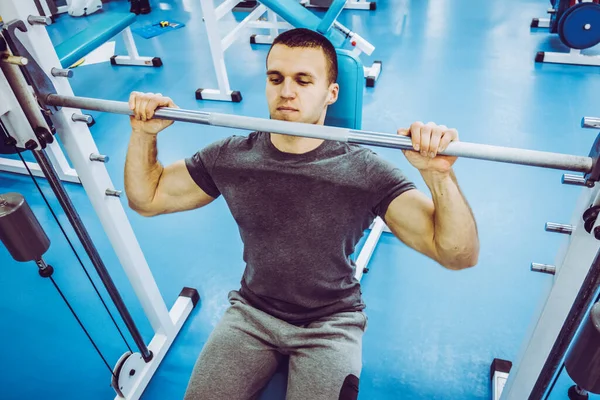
[591,212]
[579,26]
[589,224]
[589,217]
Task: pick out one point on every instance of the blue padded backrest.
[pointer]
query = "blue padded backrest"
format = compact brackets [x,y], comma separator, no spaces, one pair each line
[88,40]
[346,112]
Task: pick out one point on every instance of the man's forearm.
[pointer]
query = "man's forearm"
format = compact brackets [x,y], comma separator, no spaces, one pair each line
[142,170]
[455,230]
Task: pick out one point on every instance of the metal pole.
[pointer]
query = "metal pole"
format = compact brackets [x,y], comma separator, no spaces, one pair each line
[590,122]
[559,228]
[460,149]
[90,248]
[584,300]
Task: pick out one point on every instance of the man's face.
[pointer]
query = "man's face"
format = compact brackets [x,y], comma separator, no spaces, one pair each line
[298,87]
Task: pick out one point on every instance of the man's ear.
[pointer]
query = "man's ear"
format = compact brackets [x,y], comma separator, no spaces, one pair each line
[334,90]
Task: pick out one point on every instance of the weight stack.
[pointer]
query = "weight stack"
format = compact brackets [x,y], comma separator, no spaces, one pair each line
[583,360]
[20,231]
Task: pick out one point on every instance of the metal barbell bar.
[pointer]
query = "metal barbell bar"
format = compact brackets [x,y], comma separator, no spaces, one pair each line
[511,155]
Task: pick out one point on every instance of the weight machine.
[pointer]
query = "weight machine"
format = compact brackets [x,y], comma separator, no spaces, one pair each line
[249,5]
[577,23]
[39,101]
[69,52]
[350,5]
[281,14]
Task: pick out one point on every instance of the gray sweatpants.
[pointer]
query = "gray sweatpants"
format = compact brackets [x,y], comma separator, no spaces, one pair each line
[246,346]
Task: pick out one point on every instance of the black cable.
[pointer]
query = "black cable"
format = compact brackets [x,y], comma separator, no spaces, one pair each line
[554,381]
[82,327]
[67,237]
[562,366]
[74,251]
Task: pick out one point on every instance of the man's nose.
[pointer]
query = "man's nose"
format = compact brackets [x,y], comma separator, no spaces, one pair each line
[288,89]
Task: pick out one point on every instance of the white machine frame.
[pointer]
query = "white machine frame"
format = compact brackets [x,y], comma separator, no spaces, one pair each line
[133,57]
[12,116]
[61,165]
[572,262]
[218,46]
[255,20]
[573,57]
[542,22]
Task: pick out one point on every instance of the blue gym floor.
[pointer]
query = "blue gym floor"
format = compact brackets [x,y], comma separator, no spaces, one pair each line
[432,333]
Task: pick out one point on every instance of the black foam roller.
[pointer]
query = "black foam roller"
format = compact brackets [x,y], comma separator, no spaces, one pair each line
[20,231]
[583,360]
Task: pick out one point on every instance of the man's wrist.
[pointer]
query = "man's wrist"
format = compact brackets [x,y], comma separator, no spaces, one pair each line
[434,175]
[143,134]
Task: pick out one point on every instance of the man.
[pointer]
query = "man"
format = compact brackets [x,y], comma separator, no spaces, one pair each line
[302,205]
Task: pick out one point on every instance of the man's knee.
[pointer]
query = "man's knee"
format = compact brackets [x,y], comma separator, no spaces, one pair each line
[349,388]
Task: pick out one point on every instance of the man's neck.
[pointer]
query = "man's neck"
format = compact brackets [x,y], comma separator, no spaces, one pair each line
[294,144]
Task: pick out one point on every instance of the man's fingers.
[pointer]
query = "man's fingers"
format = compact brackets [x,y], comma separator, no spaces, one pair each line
[426,138]
[151,106]
[450,135]
[166,102]
[132,99]
[144,105]
[429,139]
[148,106]
[415,135]
[444,142]
[137,110]
[156,101]
[454,134]
[141,107]
[436,136]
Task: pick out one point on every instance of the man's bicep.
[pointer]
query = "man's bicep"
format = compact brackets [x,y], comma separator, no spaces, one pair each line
[410,217]
[177,191]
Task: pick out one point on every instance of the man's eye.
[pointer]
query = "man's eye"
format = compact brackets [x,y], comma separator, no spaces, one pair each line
[275,80]
[304,82]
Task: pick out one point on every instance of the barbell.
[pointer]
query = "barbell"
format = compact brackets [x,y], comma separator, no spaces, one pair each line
[47,97]
[585,164]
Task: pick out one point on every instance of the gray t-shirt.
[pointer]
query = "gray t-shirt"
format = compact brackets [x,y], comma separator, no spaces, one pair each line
[300,217]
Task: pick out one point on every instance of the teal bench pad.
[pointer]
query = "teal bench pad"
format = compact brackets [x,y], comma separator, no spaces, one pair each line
[78,46]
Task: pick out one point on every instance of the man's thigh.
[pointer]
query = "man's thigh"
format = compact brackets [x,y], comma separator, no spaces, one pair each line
[236,362]
[328,365]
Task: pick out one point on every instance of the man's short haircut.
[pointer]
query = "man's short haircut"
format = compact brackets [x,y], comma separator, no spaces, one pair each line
[306,38]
